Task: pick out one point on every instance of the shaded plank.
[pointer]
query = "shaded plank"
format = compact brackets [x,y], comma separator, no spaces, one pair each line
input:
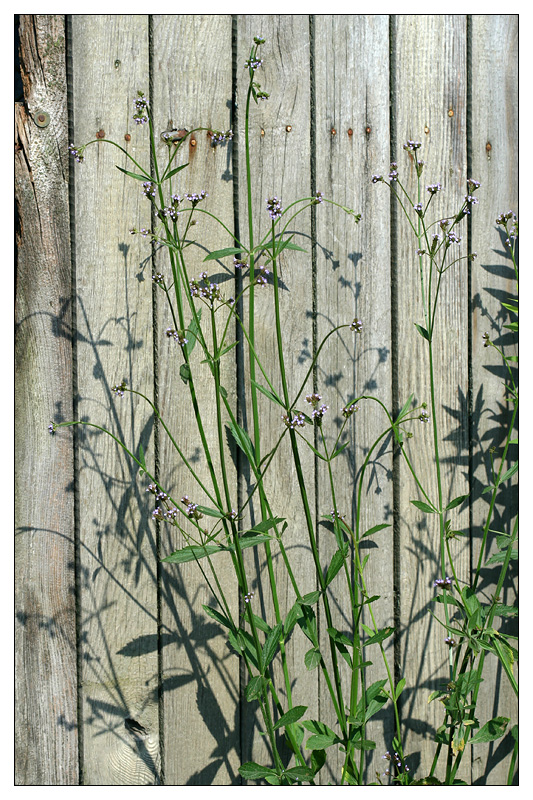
[46,736]
[494,163]
[353,280]
[192,87]
[280,159]
[118,570]
[429,105]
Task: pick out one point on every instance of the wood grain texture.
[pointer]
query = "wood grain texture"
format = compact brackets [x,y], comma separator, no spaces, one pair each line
[46,740]
[192,88]
[119,633]
[429,105]
[495,164]
[280,159]
[353,280]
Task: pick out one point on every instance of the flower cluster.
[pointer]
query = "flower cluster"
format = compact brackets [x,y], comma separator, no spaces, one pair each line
[274,207]
[450,642]
[486,339]
[261,280]
[347,411]
[433,188]
[119,389]
[52,427]
[179,336]
[298,420]
[377,178]
[248,597]
[207,291]
[149,189]
[356,325]
[140,104]
[442,583]
[239,264]
[318,411]
[451,236]
[232,514]
[253,64]
[319,198]
[192,508]
[76,152]
[335,515]
[412,145]
[196,198]
[218,137]
[396,760]
[158,279]
[393,174]
[424,416]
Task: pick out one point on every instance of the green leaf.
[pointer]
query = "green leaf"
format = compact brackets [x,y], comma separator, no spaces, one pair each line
[193,553]
[292,618]
[300,773]
[513,326]
[266,524]
[280,246]
[185,373]
[216,615]
[364,744]
[227,251]
[491,730]
[499,558]
[254,690]
[254,772]
[505,611]
[307,623]
[509,472]
[135,175]
[270,646]
[193,330]
[268,393]
[211,512]
[405,408]
[509,307]
[375,699]
[379,637]
[243,441]
[174,171]
[422,331]
[456,502]
[424,507]
[375,529]
[293,715]
[321,741]
[431,780]
[309,599]
[312,658]
[261,624]
[336,564]
[399,688]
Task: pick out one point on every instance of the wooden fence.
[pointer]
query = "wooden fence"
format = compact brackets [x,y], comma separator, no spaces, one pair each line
[121,678]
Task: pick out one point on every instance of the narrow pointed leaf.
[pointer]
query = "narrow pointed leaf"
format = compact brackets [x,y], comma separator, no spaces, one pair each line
[424,507]
[134,174]
[227,251]
[293,715]
[492,730]
[456,502]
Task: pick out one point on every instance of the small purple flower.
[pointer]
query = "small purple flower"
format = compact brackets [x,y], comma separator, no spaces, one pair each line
[196,198]
[450,642]
[140,104]
[412,145]
[347,411]
[298,420]
[486,339]
[274,207]
[76,153]
[356,325]
[319,197]
[158,279]
[424,416]
[52,428]
[119,389]
[239,264]
[179,336]
[377,178]
[473,185]
[248,597]
[433,188]
[149,189]
[253,64]
[442,583]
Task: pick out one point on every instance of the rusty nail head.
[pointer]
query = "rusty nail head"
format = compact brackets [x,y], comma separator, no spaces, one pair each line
[350,132]
[333,132]
[450,112]
[368,129]
[288,128]
[100,134]
[262,131]
[488,147]
[193,142]
[127,137]
[42,119]
[426,130]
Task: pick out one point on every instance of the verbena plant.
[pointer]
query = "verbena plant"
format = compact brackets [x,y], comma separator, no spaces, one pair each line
[203,317]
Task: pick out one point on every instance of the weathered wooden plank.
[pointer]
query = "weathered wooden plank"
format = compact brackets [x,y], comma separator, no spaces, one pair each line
[353,280]
[46,738]
[118,556]
[494,163]
[280,161]
[192,87]
[429,105]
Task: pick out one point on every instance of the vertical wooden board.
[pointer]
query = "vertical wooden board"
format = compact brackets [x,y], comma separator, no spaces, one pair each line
[118,549]
[192,88]
[280,161]
[46,736]
[429,105]
[353,280]
[495,164]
